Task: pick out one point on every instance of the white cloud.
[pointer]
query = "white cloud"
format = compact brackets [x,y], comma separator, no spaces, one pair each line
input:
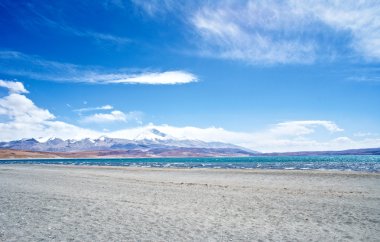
[99,36]
[297,128]
[22,110]
[113,116]
[161,78]
[106,117]
[13,87]
[104,107]
[19,64]
[26,120]
[187,132]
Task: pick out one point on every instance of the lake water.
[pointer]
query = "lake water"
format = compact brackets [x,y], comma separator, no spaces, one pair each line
[365,163]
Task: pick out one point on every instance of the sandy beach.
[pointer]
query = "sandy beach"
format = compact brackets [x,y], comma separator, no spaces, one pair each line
[74,203]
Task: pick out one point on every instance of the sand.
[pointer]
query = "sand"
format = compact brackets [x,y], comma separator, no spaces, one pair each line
[73,203]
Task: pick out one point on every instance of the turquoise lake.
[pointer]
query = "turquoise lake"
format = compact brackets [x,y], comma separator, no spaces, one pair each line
[365,163]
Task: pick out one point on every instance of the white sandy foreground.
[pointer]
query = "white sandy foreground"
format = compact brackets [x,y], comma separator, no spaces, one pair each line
[72,203]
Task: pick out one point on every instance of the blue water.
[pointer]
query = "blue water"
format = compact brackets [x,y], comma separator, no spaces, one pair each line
[365,163]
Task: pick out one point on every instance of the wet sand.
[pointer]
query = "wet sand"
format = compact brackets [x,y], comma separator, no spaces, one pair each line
[73,203]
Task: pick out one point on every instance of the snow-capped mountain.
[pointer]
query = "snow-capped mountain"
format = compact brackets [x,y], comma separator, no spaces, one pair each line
[153,134]
[151,141]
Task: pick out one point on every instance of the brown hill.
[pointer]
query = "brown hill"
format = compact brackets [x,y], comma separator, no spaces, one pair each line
[19,154]
[180,152]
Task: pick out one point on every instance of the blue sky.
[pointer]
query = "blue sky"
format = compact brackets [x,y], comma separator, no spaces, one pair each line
[271,76]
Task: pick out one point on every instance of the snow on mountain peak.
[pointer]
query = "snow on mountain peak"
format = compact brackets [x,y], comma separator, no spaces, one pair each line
[102,138]
[152,134]
[157,132]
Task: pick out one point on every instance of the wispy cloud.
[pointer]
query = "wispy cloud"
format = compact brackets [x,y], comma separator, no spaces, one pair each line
[369,74]
[365,134]
[360,18]
[279,32]
[364,78]
[118,40]
[304,127]
[104,107]
[154,7]
[255,32]
[21,65]
[43,16]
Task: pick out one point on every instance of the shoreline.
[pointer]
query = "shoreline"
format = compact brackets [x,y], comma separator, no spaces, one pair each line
[197,169]
[252,170]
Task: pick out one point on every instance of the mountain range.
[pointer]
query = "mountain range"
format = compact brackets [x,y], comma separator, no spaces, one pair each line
[151,143]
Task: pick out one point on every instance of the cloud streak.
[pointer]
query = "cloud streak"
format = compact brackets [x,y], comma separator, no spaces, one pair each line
[18,64]
[154,8]
[118,40]
[104,107]
[153,78]
[42,16]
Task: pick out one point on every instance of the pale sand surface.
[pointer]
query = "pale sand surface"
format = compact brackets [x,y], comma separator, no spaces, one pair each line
[72,203]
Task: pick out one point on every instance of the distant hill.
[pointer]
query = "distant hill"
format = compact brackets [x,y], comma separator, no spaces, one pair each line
[20,154]
[169,152]
[175,152]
